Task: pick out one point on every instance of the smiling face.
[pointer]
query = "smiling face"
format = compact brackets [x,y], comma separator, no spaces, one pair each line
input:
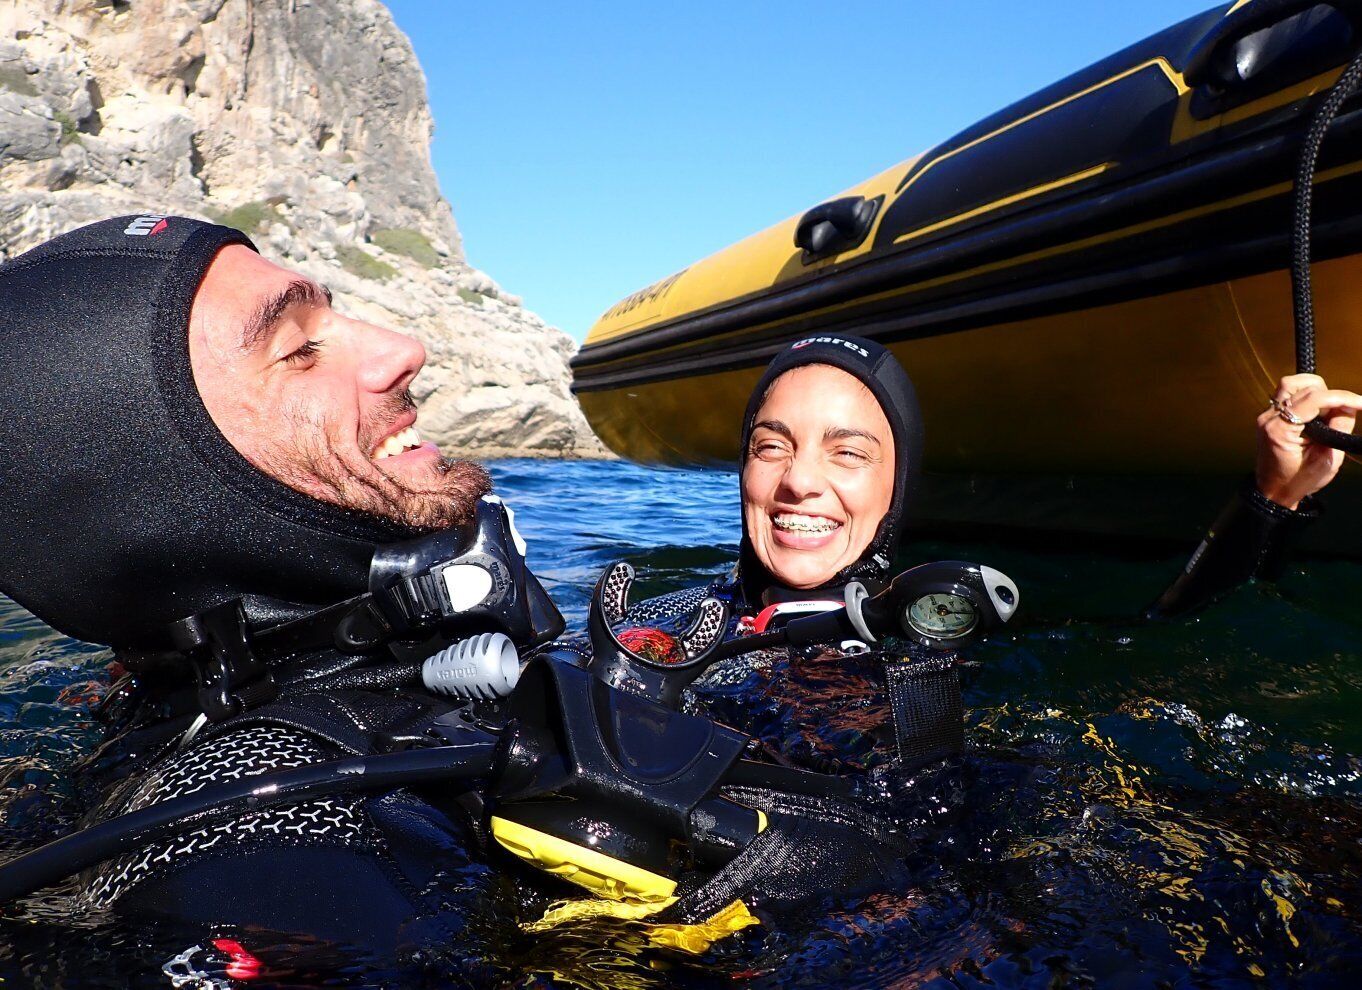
[317,400]
[818,476]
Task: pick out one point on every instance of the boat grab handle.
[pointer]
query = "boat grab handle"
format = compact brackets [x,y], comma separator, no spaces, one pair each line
[835,226]
[1205,63]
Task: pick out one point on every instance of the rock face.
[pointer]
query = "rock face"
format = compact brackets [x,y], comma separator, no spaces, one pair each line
[304,123]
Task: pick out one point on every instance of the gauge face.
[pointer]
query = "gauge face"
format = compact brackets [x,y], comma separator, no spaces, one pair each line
[942,615]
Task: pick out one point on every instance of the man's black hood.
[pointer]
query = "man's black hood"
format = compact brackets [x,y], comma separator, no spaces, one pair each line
[882,374]
[122,506]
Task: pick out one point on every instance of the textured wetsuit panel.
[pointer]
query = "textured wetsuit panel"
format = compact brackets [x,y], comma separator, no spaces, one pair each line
[333,821]
[929,717]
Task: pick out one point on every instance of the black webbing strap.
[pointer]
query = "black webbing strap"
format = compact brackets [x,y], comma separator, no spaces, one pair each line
[929,717]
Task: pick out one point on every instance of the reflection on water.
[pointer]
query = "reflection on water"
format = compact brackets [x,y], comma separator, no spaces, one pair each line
[1142,805]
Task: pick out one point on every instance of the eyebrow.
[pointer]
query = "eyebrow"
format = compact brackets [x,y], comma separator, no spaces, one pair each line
[261,323]
[775,426]
[847,433]
[831,433]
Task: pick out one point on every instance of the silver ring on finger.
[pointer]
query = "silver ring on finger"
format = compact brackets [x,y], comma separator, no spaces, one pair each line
[1283,408]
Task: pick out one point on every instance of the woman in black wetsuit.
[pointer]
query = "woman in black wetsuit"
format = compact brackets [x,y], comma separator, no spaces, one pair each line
[831,449]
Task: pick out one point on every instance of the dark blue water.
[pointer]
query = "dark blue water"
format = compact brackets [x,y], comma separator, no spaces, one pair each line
[1142,805]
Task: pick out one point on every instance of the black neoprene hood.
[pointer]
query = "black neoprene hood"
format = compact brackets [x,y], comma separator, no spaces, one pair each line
[882,374]
[122,506]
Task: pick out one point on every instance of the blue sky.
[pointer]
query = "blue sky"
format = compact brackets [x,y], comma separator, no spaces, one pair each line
[591,148]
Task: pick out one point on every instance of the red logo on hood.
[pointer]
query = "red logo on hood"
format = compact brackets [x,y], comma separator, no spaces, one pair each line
[146,226]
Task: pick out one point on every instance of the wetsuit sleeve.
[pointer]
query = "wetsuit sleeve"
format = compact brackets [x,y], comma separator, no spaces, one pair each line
[1250,538]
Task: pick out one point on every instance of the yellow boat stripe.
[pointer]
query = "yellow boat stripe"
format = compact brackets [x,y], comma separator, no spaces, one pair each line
[998,204]
[1172,75]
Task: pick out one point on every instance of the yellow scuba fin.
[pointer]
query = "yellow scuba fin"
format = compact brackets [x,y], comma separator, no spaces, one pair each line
[603,875]
[630,893]
[694,939]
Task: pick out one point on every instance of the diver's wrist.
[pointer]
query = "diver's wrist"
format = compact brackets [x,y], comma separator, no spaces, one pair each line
[1278,496]
[1279,505]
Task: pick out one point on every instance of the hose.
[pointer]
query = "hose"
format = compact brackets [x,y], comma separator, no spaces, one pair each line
[1302,298]
[749,773]
[72,853]
[739,645]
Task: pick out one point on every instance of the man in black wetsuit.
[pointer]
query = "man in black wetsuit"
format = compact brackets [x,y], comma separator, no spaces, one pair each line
[205,468]
[189,428]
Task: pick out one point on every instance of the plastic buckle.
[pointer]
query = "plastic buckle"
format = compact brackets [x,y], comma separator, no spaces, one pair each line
[231,678]
[362,629]
[416,602]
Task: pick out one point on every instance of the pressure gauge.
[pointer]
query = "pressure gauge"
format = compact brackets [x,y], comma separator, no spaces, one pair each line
[943,605]
[941,615]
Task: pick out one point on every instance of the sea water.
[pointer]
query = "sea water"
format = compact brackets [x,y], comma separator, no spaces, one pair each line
[1141,805]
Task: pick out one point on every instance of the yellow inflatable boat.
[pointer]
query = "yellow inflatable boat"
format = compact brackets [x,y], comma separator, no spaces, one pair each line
[1089,287]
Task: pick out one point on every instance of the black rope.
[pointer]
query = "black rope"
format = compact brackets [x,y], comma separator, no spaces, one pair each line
[1302,297]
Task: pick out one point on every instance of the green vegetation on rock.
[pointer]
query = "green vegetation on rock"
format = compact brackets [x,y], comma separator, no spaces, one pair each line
[249,218]
[410,243]
[359,262]
[69,131]
[15,79]
[470,296]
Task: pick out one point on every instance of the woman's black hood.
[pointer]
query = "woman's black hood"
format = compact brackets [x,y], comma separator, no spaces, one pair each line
[122,507]
[882,374]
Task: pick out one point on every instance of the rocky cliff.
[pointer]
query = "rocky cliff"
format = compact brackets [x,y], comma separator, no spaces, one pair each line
[304,123]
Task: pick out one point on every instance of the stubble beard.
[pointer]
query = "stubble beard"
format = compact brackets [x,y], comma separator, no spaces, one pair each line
[310,464]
